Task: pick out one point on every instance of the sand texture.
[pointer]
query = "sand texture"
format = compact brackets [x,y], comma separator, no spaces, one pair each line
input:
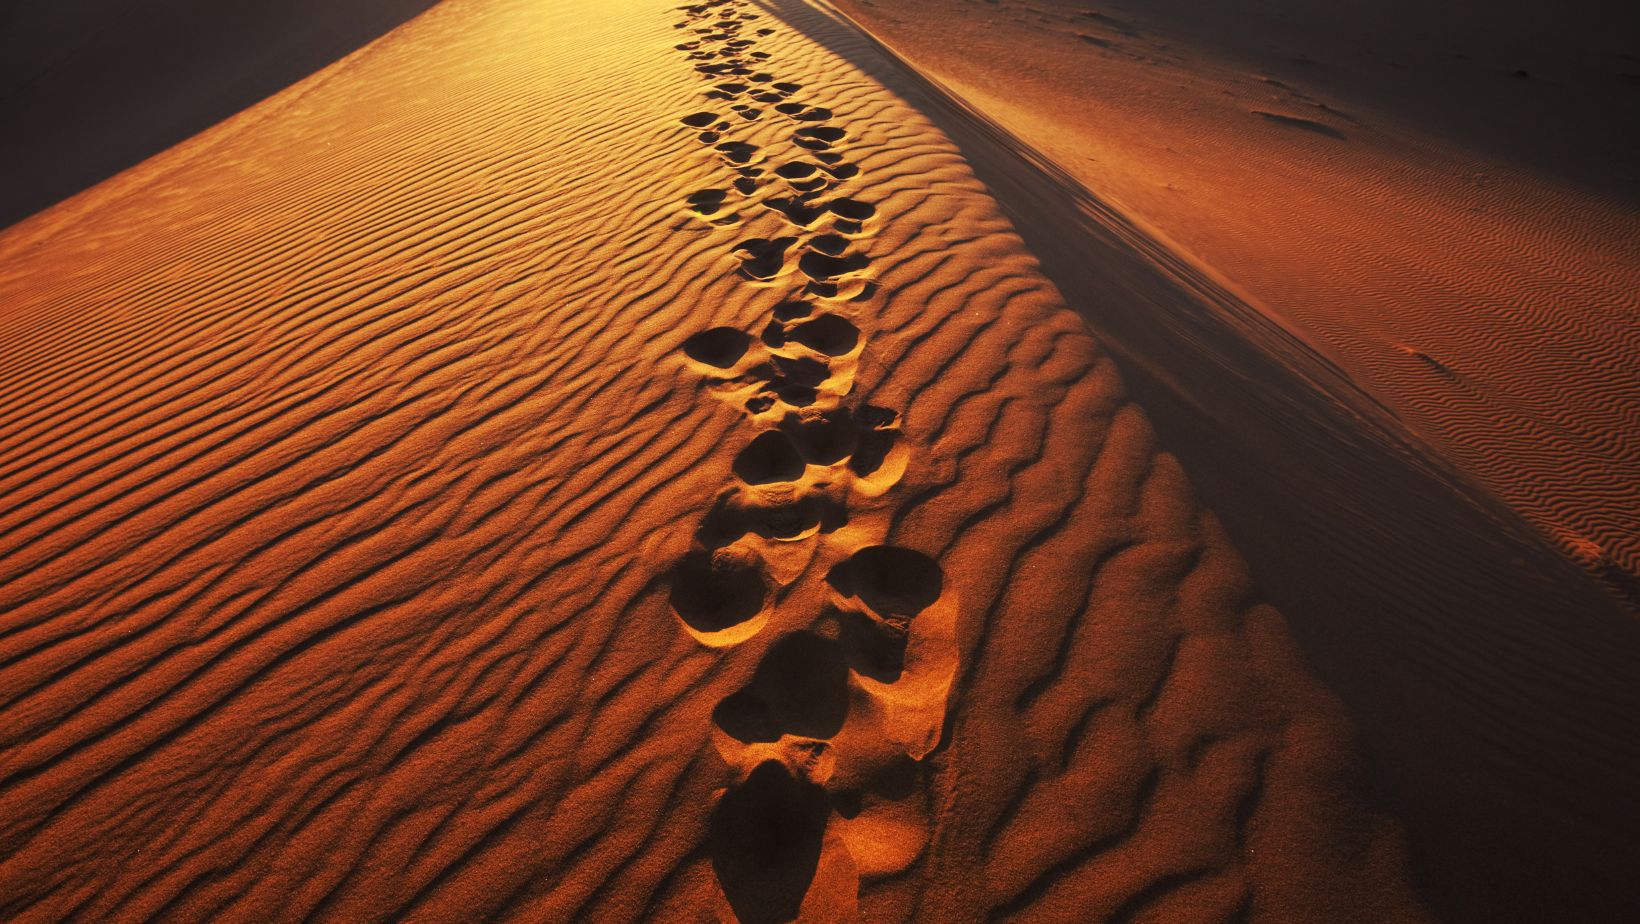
[1441,197]
[614,461]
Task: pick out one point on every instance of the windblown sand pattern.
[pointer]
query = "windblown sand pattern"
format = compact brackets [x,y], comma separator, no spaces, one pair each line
[1494,307]
[609,465]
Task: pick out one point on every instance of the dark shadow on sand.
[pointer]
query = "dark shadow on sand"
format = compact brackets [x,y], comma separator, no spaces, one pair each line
[765,843]
[1493,684]
[91,87]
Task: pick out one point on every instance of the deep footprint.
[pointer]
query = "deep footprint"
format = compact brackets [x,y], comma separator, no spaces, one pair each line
[822,437]
[713,591]
[763,259]
[818,137]
[826,333]
[893,581]
[706,201]
[721,347]
[737,152]
[800,688]
[765,842]
[798,212]
[873,647]
[851,209]
[769,458]
[824,267]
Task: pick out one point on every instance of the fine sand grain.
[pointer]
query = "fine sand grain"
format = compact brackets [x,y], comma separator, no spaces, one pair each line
[1442,197]
[616,463]
[91,87]
[1433,586]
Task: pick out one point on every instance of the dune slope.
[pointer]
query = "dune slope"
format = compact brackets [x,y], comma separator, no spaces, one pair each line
[1440,197]
[1492,681]
[90,87]
[607,462]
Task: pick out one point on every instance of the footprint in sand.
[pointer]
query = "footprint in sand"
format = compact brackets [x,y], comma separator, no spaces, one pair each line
[818,137]
[891,581]
[852,209]
[837,715]
[803,176]
[801,213]
[718,347]
[762,259]
[773,512]
[765,842]
[825,333]
[719,591]
[800,689]
[769,457]
[804,113]
[822,265]
[737,152]
[830,731]
[706,202]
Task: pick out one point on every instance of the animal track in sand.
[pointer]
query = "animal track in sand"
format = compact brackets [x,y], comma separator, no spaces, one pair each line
[849,698]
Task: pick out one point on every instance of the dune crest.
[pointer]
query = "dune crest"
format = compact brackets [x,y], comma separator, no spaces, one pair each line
[535,470]
[1458,237]
[1273,297]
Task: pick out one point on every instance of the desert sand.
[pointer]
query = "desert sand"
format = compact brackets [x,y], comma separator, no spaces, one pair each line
[615,461]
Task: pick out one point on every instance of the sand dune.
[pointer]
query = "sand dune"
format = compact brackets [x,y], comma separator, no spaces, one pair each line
[1441,197]
[90,87]
[619,461]
[1417,591]
[596,463]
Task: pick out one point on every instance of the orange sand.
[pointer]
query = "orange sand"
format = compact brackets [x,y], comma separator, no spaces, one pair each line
[605,462]
[1408,335]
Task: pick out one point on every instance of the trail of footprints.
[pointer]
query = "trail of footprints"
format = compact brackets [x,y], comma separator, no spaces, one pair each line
[827,740]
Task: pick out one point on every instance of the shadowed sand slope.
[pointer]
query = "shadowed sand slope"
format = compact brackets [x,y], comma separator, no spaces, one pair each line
[617,463]
[1377,177]
[90,87]
[1493,683]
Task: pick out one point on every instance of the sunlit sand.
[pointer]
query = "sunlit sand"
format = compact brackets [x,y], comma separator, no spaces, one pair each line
[762,461]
